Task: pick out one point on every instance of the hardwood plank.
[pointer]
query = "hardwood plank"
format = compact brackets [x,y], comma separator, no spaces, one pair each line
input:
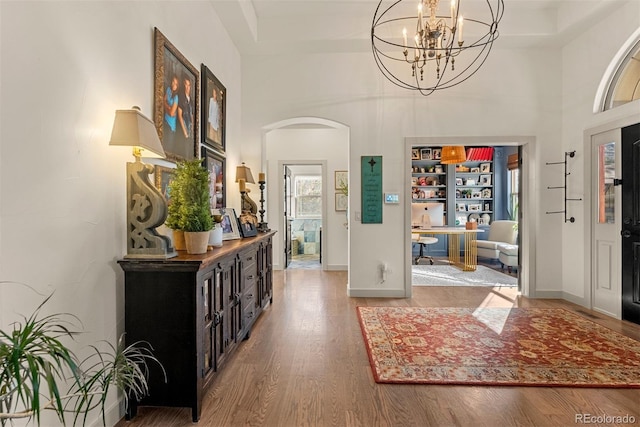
[306,365]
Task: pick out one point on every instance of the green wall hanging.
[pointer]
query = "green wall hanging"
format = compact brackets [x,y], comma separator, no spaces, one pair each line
[371,173]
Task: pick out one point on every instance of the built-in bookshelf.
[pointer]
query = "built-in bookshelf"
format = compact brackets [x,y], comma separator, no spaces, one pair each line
[466,189]
[428,175]
[474,192]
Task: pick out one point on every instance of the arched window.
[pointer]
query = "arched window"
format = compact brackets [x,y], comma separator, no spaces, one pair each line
[621,83]
[625,86]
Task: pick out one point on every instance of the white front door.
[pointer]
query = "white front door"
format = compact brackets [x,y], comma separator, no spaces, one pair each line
[606,205]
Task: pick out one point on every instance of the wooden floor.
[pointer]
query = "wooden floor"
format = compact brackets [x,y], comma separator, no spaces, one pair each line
[306,365]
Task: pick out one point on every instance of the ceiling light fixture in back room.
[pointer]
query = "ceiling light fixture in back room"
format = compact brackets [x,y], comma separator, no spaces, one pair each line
[425,49]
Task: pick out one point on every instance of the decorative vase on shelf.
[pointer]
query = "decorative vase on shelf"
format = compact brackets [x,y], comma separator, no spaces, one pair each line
[196,241]
[215,237]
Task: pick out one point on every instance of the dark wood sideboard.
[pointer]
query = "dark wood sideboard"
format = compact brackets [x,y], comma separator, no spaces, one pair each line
[194,310]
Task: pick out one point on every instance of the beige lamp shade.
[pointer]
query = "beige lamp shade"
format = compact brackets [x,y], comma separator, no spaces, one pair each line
[132,129]
[453,154]
[243,172]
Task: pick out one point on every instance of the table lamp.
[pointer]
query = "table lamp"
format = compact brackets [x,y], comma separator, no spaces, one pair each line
[146,206]
[243,177]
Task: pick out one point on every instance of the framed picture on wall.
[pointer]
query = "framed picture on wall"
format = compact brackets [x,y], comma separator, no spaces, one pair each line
[176,103]
[215,163]
[341,202]
[163,176]
[341,180]
[214,110]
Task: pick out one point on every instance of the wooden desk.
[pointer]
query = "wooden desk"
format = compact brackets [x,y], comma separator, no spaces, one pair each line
[470,249]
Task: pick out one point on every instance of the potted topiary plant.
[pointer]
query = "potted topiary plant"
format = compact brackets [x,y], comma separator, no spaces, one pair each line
[39,372]
[174,208]
[194,205]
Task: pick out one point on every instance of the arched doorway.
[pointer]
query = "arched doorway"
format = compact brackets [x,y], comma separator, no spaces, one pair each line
[311,141]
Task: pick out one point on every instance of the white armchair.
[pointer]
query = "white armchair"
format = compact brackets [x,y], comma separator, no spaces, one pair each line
[500,232]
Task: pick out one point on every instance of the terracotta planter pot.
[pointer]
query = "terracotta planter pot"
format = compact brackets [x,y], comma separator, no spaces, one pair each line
[178,240]
[196,241]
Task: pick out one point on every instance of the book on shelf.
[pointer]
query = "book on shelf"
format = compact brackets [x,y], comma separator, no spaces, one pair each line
[476,154]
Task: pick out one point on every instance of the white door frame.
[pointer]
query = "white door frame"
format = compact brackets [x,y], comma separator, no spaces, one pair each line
[528,203]
[620,117]
[323,165]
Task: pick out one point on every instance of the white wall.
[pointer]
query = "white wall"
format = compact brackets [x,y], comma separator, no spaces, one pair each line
[289,145]
[65,68]
[517,92]
[585,60]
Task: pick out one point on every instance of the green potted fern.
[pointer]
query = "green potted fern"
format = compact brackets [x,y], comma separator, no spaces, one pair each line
[38,372]
[194,209]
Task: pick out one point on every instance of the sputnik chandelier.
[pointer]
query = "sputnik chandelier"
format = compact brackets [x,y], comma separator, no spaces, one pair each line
[444,49]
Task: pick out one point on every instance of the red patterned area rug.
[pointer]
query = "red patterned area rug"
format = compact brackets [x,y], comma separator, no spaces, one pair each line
[496,346]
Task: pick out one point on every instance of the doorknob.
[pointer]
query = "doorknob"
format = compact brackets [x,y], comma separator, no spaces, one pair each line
[625,233]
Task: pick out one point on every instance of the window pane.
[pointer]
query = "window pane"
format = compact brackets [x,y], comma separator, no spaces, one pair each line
[308,186]
[606,174]
[308,206]
[308,190]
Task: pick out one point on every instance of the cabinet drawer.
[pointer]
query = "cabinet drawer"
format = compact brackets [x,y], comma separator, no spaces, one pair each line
[249,298]
[248,258]
[249,315]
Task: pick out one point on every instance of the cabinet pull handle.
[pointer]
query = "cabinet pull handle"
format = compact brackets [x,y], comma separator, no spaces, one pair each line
[250,277]
[218,318]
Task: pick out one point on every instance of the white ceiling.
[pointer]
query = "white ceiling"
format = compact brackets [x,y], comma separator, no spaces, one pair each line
[294,26]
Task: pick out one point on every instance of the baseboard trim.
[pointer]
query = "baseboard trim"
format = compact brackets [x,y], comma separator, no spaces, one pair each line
[337,267]
[376,293]
[548,294]
[575,299]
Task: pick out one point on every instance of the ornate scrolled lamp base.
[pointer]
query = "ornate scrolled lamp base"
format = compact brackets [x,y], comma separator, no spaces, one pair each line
[146,210]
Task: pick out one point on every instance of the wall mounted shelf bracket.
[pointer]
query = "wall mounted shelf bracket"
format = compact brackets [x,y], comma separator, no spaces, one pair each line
[567,154]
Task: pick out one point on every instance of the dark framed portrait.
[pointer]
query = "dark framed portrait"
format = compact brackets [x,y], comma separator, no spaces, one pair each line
[163,176]
[176,100]
[215,164]
[214,110]
[247,228]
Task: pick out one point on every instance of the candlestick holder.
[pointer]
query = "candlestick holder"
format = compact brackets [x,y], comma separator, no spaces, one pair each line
[262,226]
